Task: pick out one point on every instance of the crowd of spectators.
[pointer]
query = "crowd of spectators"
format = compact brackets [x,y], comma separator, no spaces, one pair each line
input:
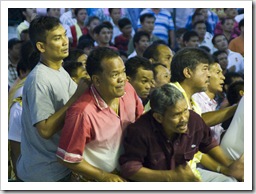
[92,92]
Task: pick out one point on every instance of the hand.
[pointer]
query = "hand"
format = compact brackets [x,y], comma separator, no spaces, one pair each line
[184,174]
[82,86]
[236,169]
[109,177]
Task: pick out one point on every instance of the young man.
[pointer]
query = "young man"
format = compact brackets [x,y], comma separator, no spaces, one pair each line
[91,139]
[159,145]
[205,38]
[140,75]
[14,46]
[235,60]
[122,40]
[191,39]
[206,99]
[140,43]
[48,92]
[147,21]
[102,36]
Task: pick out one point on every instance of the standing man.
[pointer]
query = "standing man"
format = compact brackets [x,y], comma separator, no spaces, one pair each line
[164,26]
[91,140]
[47,94]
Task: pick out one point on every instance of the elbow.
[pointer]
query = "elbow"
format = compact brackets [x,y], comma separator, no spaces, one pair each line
[44,133]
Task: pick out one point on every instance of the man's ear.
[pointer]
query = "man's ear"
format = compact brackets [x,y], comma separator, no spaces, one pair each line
[128,78]
[187,72]
[96,80]
[158,117]
[40,47]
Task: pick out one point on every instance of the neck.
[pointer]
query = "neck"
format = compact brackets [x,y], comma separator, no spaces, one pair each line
[210,94]
[101,44]
[139,52]
[51,64]
[81,24]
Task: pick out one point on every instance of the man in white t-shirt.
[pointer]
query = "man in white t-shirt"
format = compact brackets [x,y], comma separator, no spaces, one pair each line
[235,60]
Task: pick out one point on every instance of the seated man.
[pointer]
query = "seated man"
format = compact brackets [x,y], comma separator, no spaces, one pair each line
[140,74]
[161,142]
[90,143]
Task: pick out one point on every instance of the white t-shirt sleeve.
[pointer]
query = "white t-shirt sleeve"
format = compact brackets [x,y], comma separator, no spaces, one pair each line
[15,123]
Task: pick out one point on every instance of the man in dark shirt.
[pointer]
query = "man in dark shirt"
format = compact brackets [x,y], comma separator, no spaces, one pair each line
[161,142]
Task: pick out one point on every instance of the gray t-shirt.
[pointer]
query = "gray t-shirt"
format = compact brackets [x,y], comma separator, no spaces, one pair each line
[45,92]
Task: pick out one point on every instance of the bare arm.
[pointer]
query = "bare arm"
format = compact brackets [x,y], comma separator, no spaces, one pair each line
[219,116]
[85,169]
[180,174]
[15,152]
[47,128]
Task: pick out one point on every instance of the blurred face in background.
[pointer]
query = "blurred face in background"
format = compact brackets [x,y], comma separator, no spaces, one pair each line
[54,12]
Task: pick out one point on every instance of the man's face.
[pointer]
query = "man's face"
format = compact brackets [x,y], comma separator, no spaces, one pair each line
[111,81]
[223,60]
[201,30]
[162,76]
[82,59]
[56,45]
[221,43]
[15,51]
[54,12]
[231,12]
[216,80]
[127,30]
[228,25]
[81,73]
[143,44]
[115,14]
[175,119]
[199,78]
[93,24]
[142,82]
[104,36]
[204,12]
[193,42]
[148,25]
[81,15]
[165,55]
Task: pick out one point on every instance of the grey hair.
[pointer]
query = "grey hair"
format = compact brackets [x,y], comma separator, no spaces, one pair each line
[163,97]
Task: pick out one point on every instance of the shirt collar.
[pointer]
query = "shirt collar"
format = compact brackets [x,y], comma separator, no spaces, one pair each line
[99,101]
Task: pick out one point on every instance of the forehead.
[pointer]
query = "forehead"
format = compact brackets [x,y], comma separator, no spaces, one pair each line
[179,106]
[201,66]
[143,38]
[221,37]
[200,25]
[144,73]
[112,64]
[104,30]
[215,66]
[57,30]
[164,50]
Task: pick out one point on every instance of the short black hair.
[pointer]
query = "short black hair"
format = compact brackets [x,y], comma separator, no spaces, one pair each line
[188,35]
[146,15]
[96,57]
[74,54]
[91,18]
[71,67]
[39,26]
[187,57]
[133,64]
[217,35]
[84,43]
[137,36]
[123,22]
[98,28]
[241,24]
[233,95]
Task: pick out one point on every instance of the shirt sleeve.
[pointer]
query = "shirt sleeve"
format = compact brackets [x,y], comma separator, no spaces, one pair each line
[15,123]
[75,133]
[135,151]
